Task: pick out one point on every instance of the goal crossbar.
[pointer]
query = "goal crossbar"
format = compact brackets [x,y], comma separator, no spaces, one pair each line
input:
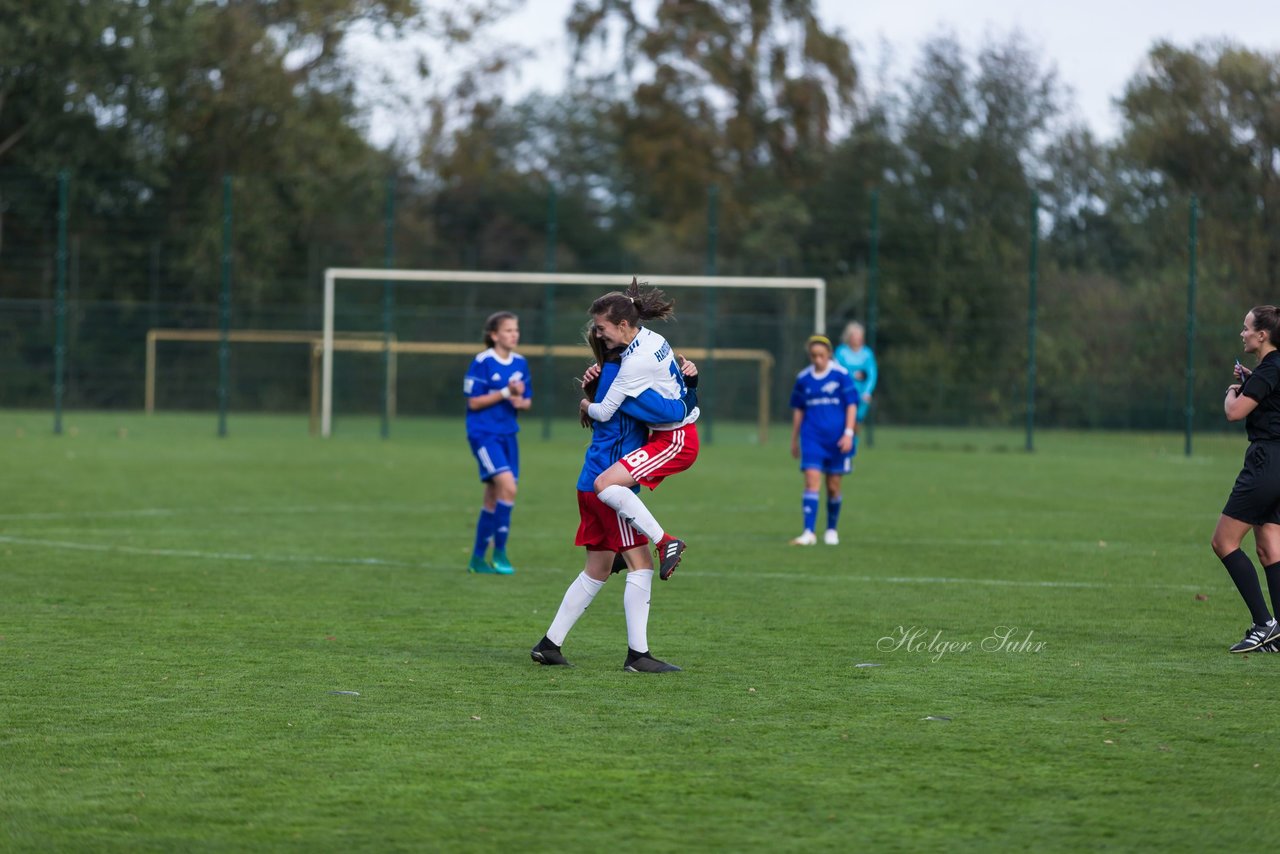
[333,274]
[762,358]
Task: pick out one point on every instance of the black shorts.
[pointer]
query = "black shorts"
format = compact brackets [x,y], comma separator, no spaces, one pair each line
[1255,498]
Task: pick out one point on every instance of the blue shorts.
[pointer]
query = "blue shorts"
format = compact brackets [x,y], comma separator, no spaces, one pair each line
[827,457]
[496,453]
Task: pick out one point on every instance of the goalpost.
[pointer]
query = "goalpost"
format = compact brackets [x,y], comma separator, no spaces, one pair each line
[333,275]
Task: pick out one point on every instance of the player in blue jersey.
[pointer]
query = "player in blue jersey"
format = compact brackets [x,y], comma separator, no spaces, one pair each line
[823,435]
[856,357]
[605,533]
[498,387]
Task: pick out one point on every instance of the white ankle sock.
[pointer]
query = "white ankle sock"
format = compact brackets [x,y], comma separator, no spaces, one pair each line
[635,602]
[576,599]
[629,505]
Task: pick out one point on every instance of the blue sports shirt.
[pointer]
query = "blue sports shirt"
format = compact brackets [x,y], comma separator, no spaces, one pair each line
[824,400]
[627,430]
[487,374]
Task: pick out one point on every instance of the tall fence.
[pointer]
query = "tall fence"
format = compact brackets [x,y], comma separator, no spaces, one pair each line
[982,311]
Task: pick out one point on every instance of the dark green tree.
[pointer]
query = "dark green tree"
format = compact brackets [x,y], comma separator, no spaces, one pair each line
[741,94]
[1205,120]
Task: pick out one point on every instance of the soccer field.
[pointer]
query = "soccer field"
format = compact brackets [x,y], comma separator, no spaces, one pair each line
[182,617]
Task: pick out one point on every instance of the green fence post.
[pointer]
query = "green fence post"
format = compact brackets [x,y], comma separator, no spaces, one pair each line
[224,312]
[1192,227]
[549,320]
[1032,268]
[707,381]
[873,300]
[154,296]
[388,304]
[60,306]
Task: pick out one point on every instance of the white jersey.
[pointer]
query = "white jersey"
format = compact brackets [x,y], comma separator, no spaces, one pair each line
[647,363]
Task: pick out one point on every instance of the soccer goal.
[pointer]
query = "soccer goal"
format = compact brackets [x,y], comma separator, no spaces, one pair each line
[335,275]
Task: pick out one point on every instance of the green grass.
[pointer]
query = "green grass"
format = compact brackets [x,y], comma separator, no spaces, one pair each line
[177,609]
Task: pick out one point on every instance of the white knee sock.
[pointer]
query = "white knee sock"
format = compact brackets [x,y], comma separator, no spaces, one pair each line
[635,601]
[633,510]
[576,599]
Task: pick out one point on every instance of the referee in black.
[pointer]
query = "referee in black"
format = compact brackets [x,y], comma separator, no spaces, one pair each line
[1255,498]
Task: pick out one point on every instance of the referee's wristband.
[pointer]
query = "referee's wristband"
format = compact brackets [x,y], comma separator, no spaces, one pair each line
[506,392]
[848,433]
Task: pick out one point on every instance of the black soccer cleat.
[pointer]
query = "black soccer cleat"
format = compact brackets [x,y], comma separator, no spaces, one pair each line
[1257,636]
[669,552]
[548,653]
[643,662]
[619,564]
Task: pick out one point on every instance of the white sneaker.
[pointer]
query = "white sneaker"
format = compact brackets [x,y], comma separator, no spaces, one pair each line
[830,537]
[808,538]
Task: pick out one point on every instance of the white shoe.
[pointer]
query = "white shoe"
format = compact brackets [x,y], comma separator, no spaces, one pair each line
[830,537]
[808,538]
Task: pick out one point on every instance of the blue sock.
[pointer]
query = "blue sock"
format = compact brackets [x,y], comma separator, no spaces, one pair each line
[502,525]
[484,532]
[810,505]
[833,511]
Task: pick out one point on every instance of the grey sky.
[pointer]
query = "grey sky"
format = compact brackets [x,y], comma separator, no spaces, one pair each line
[1096,45]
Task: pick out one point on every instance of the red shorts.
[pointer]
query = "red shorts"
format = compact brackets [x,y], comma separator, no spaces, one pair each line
[602,529]
[668,452]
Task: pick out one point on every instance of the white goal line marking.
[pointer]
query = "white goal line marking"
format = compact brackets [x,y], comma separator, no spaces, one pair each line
[990,582]
[160,512]
[201,555]
[400,564]
[1093,546]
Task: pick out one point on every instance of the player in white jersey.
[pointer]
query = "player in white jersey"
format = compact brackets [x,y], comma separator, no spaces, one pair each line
[647,363]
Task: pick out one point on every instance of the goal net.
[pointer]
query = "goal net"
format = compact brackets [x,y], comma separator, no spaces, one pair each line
[728,334]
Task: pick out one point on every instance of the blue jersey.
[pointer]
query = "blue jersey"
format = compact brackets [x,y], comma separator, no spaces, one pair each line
[627,430]
[488,374]
[824,401]
[861,365]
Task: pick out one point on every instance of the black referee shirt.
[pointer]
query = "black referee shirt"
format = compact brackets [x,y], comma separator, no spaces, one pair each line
[1263,385]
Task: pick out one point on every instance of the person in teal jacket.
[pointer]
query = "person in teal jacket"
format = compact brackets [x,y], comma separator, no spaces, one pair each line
[856,357]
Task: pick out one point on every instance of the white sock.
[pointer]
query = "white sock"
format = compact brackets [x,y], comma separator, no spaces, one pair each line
[576,599]
[635,601]
[631,508]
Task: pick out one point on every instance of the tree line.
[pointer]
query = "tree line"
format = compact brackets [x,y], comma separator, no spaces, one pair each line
[147,104]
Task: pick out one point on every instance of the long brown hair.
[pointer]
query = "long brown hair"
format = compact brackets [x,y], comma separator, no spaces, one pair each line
[634,305]
[603,353]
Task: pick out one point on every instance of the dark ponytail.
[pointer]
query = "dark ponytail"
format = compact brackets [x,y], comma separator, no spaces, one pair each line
[634,305]
[1266,318]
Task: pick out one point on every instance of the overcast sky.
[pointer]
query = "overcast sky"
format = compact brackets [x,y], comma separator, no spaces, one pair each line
[1096,45]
